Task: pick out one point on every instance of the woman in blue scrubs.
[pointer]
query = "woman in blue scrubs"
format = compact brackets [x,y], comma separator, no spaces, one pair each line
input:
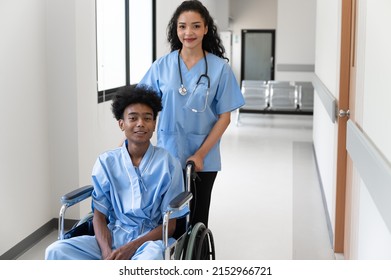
[199,91]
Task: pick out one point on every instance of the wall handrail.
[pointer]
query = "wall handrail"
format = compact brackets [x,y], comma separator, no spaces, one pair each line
[328,100]
[373,167]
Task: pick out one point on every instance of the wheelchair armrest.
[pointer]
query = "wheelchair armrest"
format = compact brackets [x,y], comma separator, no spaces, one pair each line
[180,201]
[77,195]
[176,204]
[70,199]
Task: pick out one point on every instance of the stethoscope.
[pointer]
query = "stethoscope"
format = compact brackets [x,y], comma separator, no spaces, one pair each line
[182,89]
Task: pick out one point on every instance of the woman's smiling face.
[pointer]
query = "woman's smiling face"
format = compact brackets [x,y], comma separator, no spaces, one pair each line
[191,29]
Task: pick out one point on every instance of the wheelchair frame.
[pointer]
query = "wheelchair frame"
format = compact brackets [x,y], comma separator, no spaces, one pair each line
[196,243]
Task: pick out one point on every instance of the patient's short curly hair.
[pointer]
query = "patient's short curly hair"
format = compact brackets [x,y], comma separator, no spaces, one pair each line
[134,94]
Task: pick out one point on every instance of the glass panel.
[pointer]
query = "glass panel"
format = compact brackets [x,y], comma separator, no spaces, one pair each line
[111,64]
[258,50]
[140,37]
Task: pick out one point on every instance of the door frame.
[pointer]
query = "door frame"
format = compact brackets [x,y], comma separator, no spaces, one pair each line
[242,63]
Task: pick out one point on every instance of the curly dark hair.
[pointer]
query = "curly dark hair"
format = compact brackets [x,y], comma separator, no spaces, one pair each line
[211,42]
[134,94]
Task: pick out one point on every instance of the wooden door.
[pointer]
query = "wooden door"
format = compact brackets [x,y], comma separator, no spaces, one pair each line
[345,111]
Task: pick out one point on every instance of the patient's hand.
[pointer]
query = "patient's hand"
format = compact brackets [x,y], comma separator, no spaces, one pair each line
[124,252]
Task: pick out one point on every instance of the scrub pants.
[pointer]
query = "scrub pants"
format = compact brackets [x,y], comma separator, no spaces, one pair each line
[202,192]
[86,248]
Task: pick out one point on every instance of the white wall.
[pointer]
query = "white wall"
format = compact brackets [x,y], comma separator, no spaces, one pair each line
[373,60]
[294,22]
[24,143]
[249,14]
[295,38]
[327,69]
[62,96]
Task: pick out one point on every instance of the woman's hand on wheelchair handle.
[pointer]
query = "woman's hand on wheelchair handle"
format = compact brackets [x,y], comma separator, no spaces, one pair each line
[198,162]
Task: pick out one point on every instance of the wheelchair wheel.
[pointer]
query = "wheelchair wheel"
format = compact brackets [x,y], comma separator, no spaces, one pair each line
[205,249]
[180,248]
[200,245]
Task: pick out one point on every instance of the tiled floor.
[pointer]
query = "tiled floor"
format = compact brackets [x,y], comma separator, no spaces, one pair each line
[266,201]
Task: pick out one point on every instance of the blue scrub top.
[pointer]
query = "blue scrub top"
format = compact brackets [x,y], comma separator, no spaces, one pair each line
[181,130]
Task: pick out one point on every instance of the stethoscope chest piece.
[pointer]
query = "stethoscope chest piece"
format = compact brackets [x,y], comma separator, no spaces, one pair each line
[182,90]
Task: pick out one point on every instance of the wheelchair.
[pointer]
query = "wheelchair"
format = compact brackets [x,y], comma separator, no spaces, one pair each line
[191,242]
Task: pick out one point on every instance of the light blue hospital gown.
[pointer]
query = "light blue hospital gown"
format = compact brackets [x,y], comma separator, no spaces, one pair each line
[134,200]
[181,130]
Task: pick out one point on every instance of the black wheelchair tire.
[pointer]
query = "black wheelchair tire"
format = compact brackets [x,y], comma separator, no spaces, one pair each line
[205,249]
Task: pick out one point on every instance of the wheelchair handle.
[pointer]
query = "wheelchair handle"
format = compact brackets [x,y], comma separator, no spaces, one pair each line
[190,167]
[190,164]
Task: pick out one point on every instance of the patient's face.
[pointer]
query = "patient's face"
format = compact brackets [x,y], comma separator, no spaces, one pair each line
[138,123]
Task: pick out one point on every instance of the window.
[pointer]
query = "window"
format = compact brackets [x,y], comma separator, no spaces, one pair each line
[125,44]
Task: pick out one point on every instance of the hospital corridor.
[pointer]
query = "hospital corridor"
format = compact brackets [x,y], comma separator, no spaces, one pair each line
[267,201]
[300,180]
